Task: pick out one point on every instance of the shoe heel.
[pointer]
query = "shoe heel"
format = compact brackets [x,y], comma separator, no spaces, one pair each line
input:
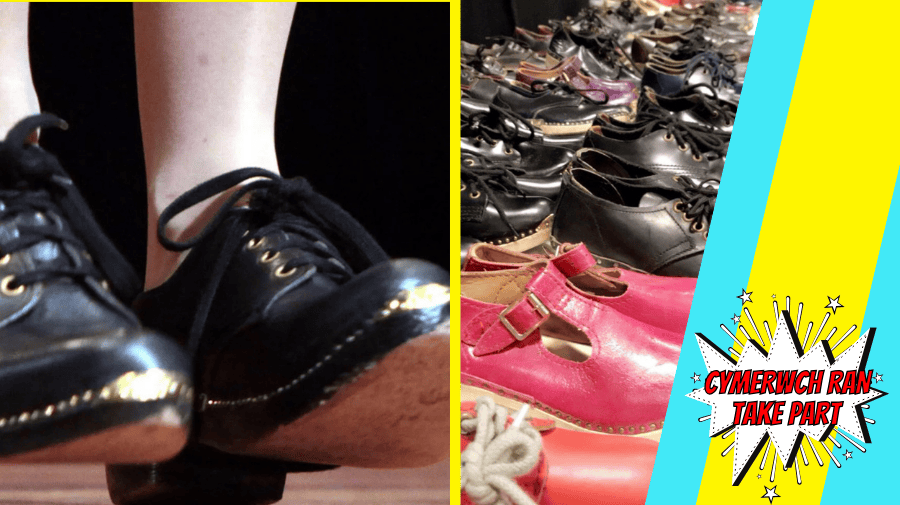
[196,476]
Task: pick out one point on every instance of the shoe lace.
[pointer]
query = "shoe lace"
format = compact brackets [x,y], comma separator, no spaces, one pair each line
[497,124]
[709,101]
[497,455]
[509,43]
[695,44]
[698,201]
[700,138]
[35,183]
[539,86]
[483,175]
[330,240]
[720,67]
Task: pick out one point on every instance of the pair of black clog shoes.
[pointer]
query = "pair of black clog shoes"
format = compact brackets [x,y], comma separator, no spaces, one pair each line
[285,341]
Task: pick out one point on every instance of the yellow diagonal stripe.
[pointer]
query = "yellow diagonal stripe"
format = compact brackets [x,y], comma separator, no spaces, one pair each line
[827,206]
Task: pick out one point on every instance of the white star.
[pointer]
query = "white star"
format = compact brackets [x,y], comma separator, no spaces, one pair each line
[848,455]
[834,304]
[745,296]
[773,296]
[771,494]
[736,319]
[758,476]
[696,377]
[878,377]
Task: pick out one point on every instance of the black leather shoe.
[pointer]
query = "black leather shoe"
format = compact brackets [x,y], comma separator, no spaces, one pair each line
[310,344]
[496,210]
[705,68]
[556,109]
[695,104]
[663,143]
[496,135]
[656,224]
[598,54]
[80,379]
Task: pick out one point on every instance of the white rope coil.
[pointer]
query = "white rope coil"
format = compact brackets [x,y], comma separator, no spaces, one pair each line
[491,462]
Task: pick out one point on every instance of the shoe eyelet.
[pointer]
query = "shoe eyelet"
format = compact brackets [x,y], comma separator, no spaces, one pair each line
[5,259]
[678,206]
[475,195]
[697,227]
[697,158]
[508,151]
[281,272]
[5,289]
[668,137]
[462,187]
[676,178]
[254,243]
[715,113]
[469,162]
[683,148]
[268,257]
[728,123]
[104,284]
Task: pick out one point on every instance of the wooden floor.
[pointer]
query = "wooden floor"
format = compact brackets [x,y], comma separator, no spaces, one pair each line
[86,484]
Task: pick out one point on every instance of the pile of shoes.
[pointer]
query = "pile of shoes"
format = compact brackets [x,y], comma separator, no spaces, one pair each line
[592,150]
[606,128]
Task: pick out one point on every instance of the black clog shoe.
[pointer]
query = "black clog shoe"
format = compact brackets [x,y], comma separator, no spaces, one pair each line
[80,379]
[495,208]
[657,224]
[311,347]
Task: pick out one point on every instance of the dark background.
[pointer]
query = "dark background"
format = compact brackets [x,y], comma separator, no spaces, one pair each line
[362,113]
[487,18]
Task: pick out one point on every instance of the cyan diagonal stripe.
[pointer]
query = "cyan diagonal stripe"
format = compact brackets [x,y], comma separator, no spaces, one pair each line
[871,477]
[740,206]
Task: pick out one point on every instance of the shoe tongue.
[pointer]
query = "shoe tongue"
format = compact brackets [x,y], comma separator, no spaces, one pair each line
[652,200]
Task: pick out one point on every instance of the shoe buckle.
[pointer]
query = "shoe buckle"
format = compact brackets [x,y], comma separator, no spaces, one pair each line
[536,304]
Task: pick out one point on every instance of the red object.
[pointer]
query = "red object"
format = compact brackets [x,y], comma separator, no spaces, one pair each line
[664,302]
[621,387]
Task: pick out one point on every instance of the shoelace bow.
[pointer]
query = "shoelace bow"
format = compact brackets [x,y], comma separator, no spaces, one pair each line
[540,86]
[704,97]
[699,199]
[497,455]
[709,101]
[497,124]
[700,138]
[694,45]
[331,241]
[490,177]
[720,67]
[35,182]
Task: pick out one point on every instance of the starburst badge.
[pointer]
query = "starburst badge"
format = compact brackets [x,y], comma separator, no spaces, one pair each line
[795,391]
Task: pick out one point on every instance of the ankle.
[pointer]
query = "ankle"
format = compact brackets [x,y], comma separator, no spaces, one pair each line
[162,263]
